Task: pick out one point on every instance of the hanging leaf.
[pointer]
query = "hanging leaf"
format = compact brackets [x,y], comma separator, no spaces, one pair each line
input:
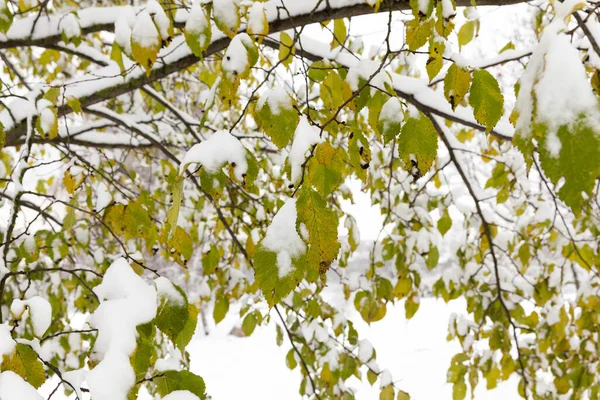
[24,362]
[456,85]
[198,33]
[486,99]
[417,145]
[145,41]
[170,381]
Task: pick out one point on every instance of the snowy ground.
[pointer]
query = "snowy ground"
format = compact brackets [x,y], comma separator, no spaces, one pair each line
[416,353]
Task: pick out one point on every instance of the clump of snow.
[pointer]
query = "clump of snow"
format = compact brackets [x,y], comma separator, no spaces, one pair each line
[364,69]
[103,197]
[75,378]
[448,10]
[160,18]
[365,351]
[13,387]
[277,98]
[47,116]
[126,302]
[386,378]
[226,11]
[305,137]
[70,26]
[391,111]
[144,31]
[40,313]
[167,290]
[218,149]
[558,101]
[256,18]
[423,6]
[125,21]
[181,395]
[197,21]
[236,58]
[7,344]
[283,238]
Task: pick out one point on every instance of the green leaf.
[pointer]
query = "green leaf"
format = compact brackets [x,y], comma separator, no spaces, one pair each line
[186,334]
[467,32]
[486,99]
[198,32]
[24,362]
[173,213]
[173,313]
[459,390]
[578,162]
[417,33]
[266,273]
[433,258]
[418,143]
[435,62]
[249,324]
[339,32]
[321,223]
[145,352]
[387,393]
[279,124]
[390,120]
[221,308]
[456,85]
[170,381]
[325,168]
[287,48]
[116,55]
[318,70]
[6,17]
[445,222]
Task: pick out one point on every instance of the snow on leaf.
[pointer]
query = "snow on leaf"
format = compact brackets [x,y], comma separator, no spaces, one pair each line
[417,145]
[279,261]
[321,222]
[172,381]
[578,162]
[486,99]
[456,84]
[226,14]
[275,115]
[213,153]
[145,41]
[390,119]
[240,56]
[305,137]
[257,20]
[172,314]
[198,32]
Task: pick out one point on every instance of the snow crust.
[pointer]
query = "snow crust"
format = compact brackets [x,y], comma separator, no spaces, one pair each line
[305,137]
[126,301]
[282,237]
[218,149]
